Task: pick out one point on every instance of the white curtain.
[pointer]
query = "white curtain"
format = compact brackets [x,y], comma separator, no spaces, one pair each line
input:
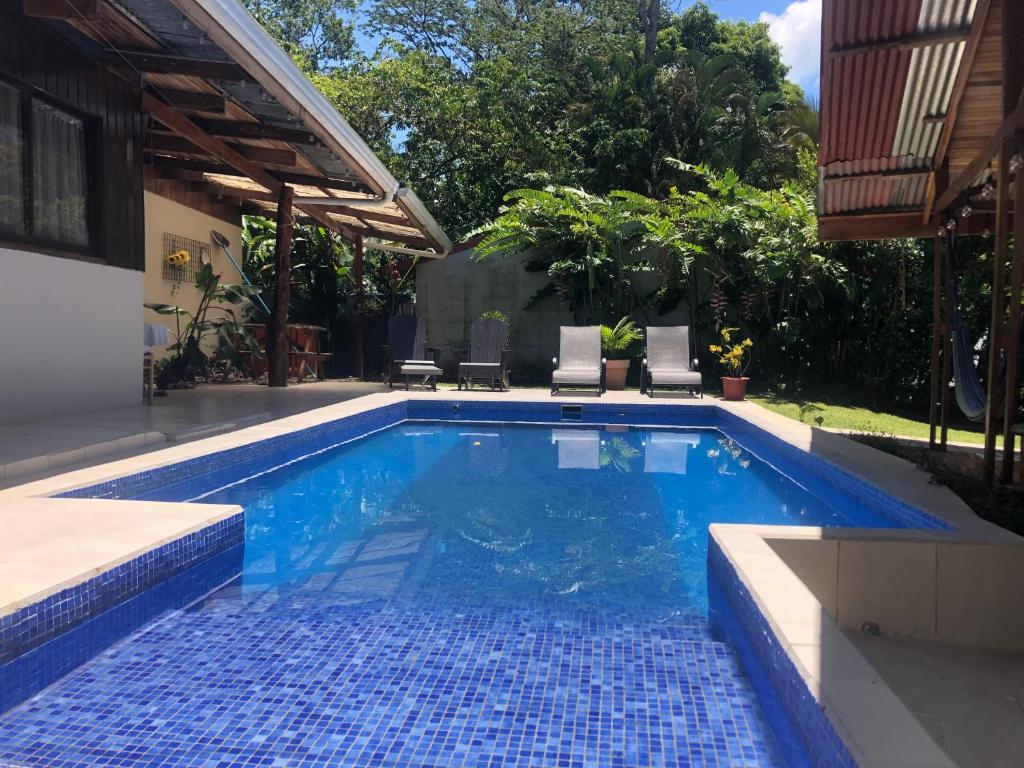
[58,176]
[12,186]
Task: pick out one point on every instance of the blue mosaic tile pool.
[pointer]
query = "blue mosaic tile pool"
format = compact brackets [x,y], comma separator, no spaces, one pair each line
[457,594]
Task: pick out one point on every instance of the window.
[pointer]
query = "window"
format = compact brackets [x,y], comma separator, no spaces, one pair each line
[44,175]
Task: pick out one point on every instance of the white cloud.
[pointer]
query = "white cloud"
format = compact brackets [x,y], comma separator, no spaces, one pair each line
[797,30]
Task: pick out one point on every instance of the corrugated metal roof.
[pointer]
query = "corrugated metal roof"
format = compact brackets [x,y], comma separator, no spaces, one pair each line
[875,101]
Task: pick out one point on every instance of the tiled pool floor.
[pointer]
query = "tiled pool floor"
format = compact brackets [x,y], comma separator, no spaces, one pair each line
[391,684]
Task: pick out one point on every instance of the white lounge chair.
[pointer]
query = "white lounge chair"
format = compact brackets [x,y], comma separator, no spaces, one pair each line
[581,363]
[668,362]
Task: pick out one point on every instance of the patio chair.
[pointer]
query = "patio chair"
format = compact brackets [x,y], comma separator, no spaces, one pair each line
[581,362]
[488,356]
[405,354]
[668,361]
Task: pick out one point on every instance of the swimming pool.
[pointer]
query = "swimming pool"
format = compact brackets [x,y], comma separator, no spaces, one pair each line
[458,592]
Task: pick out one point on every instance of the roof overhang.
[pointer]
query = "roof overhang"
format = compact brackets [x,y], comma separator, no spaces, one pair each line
[235,117]
[911,96]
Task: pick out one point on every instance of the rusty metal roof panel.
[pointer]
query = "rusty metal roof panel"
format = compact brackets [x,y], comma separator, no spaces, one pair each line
[875,100]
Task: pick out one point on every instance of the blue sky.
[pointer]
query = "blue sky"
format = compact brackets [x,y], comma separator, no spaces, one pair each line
[794,24]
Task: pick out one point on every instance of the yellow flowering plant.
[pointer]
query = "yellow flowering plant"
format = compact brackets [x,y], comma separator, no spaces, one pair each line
[733,355]
[178,258]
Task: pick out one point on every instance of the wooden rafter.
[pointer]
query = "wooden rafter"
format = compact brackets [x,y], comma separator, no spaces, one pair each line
[155,63]
[219,149]
[904,43]
[963,180]
[190,100]
[366,215]
[966,64]
[236,129]
[205,166]
[158,142]
[77,10]
[882,174]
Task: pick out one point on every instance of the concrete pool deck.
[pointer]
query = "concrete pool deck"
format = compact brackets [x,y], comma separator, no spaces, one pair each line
[56,523]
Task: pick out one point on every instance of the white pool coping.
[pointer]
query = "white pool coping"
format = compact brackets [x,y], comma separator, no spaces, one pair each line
[43,533]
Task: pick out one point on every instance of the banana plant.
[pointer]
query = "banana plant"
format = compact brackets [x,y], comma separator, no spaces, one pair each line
[218,321]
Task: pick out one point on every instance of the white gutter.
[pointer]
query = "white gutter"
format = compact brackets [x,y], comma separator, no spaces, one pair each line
[230,26]
[388,247]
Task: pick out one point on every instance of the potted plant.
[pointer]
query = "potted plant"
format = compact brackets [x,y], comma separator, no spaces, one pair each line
[615,343]
[735,357]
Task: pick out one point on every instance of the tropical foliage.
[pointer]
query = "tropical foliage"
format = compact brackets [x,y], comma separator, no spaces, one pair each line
[217,325]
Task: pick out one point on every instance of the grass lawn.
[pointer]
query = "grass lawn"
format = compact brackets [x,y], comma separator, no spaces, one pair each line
[860,419]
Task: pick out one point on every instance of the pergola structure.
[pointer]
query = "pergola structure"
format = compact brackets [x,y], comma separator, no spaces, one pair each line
[922,119]
[232,118]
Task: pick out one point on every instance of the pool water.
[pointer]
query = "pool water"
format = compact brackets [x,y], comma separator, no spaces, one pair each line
[447,594]
[512,513]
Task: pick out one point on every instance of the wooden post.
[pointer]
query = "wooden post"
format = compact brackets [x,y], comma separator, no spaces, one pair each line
[933,407]
[357,278]
[1013,78]
[277,338]
[1013,85]
[947,344]
[1013,331]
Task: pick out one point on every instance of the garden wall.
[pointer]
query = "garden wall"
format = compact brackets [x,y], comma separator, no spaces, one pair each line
[452,292]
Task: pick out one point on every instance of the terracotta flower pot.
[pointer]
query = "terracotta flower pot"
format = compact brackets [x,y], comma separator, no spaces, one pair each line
[615,374]
[734,388]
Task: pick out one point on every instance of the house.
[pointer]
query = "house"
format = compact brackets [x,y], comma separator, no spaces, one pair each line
[128,128]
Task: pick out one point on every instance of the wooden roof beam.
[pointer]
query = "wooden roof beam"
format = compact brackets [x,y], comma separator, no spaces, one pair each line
[192,101]
[67,10]
[965,179]
[180,124]
[966,64]
[156,63]
[904,43]
[873,227]
[187,164]
[158,142]
[882,174]
[236,129]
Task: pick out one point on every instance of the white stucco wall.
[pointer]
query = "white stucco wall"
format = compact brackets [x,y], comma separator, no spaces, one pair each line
[70,336]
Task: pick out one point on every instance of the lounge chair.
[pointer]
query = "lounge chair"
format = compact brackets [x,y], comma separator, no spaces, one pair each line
[668,361]
[487,355]
[581,362]
[405,354]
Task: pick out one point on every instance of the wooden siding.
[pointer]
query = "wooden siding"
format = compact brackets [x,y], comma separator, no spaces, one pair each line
[29,52]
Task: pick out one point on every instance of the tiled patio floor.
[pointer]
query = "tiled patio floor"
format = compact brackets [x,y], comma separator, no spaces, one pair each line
[57,443]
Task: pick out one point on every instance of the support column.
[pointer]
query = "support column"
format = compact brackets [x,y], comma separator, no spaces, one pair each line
[995,342]
[1013,340]
[947,344]
[277,337]
[933,408]
[358,254]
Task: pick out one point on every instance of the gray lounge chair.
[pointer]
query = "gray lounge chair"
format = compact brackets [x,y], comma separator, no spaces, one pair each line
[668,361]
[405,354]
[581,362]
[488,356]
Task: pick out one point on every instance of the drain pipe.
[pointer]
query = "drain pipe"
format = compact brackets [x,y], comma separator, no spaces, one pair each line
[389,248]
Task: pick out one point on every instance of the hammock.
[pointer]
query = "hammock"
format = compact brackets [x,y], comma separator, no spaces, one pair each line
[971,394]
